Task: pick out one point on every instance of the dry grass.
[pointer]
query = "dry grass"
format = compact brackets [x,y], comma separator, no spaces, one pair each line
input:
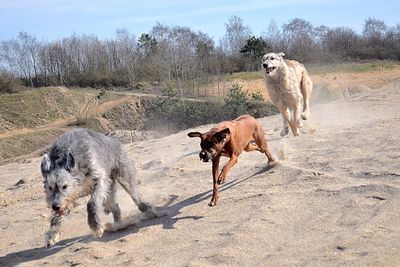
[38,107]
[352,67]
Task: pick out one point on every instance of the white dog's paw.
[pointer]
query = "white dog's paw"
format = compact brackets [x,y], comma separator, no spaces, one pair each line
[305,115]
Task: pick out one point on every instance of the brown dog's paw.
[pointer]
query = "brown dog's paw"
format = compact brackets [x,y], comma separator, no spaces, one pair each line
[212,204]
[274,163]
[221,180]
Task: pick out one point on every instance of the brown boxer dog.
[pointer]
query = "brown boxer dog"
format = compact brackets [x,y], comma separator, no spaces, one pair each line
[229,139]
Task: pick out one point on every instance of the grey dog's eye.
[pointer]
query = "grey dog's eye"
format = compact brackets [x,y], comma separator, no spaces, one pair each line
[50,188]
[64,186]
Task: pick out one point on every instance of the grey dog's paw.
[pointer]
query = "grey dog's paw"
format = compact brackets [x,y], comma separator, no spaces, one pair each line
[51,238]
[285,131]
[98,232]
[154,213]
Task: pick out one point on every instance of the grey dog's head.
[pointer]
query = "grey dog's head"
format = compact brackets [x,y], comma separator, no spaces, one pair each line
[270,62]
[60,185]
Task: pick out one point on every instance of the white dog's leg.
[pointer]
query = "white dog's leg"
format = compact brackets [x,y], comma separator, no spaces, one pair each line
[290,120]
[286,117]
[296,118]
[285,130]
[306,89]
[306,112]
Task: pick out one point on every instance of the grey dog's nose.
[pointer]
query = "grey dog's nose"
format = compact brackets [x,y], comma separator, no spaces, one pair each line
[55,207]
[265,66]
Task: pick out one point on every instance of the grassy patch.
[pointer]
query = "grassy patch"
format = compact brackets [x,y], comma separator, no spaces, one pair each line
[248,76]
[322,69]
[26,143]
[39,106]
[352,67]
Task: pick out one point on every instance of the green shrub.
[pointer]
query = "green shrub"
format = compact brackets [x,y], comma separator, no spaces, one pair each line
[171,114]
[9,83]
[257,96]
[239,102]
[142,86]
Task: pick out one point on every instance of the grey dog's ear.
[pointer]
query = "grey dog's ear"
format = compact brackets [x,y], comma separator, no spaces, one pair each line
[45,167]
[194,134]
[69,165]
[221,135]
[281,54]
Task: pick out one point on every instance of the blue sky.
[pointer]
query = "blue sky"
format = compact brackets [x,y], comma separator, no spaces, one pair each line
[54,19]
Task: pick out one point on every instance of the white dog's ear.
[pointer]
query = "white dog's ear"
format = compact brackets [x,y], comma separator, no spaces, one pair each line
[281,54]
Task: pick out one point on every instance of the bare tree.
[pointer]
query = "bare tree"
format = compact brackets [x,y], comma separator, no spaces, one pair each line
[236,35]
[300,39]
[274,37]
[21,55]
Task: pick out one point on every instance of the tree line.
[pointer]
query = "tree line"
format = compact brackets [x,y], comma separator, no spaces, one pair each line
[182,58]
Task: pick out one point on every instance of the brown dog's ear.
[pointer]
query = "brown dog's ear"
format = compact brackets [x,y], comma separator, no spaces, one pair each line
[194,134]
[221,135]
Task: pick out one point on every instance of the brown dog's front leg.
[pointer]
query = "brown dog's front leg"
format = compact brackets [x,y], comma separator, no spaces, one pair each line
[232,161]
[215,171]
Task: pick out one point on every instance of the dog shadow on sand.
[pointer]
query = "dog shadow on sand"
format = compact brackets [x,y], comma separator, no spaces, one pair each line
[168,221]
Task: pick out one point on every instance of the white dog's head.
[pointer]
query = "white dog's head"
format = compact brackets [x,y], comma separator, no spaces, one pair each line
[270,62]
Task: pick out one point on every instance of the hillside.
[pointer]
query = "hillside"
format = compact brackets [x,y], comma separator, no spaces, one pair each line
[32,119]
[330,81]
[333,201]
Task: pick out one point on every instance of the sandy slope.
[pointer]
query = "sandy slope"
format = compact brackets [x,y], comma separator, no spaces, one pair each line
[335,200]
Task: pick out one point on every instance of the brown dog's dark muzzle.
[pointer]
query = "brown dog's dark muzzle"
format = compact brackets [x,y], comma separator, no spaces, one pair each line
[205,156]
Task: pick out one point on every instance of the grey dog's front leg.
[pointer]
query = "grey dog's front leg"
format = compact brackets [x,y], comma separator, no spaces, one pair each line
[93,217]
[53,234]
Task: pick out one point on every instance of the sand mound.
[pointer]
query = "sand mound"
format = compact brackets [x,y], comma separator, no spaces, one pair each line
[333,201]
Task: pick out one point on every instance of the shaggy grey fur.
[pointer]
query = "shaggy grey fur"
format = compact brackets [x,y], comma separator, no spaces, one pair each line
[83,162]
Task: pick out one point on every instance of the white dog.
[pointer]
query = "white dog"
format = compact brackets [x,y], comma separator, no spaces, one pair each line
[289,87]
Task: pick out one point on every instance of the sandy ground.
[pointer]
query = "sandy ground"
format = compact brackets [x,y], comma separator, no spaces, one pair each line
[335,200]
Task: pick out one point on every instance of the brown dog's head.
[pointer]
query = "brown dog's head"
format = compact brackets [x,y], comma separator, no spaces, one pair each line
[211,143]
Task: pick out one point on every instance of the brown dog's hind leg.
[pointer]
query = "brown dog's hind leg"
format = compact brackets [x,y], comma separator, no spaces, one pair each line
[259,138]
[252,146]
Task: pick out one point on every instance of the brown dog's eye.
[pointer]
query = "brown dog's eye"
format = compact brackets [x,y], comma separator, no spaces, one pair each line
[64,187]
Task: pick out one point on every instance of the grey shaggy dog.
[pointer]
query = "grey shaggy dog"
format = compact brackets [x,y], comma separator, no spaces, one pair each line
[83,162]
